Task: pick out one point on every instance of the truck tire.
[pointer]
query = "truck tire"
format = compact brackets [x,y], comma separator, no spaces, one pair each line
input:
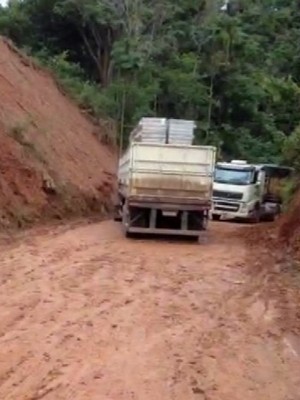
[255,218]
[117,216]
[270,218]
[125,219]
[128,235]
[216,217]
[204,223]
[118,209]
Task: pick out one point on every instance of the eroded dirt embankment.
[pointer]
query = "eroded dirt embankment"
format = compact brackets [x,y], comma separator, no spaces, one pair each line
[274,265]
[89,315]
[51,163]
[289,227]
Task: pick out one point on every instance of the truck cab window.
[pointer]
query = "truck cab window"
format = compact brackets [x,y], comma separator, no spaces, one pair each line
[255,177]
[233,176]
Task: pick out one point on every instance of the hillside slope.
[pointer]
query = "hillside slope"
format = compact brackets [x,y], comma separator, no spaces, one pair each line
[51,163]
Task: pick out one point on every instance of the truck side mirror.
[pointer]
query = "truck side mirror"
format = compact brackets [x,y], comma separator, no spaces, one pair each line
[255,177]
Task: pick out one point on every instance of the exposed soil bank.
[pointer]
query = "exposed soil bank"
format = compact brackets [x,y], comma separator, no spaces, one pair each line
[51,163]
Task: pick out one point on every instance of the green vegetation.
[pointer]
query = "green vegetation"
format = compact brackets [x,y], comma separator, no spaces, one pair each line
[235,70]
[289,190]
[19,132]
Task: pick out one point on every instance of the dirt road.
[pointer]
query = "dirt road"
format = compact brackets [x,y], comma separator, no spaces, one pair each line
[89,315]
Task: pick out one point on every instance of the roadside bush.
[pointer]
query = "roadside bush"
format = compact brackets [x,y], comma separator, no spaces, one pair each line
[291,150]
[73,81]
[289,190]
[291,156]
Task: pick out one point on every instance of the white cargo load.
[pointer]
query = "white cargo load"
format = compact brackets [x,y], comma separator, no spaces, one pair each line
[181,131]
[163,130]
[171,173]
[150,130]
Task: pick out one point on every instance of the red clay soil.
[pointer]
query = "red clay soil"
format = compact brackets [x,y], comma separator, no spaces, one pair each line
[88,315]
[289,230]
[274,265]
[280,237]
[51,163]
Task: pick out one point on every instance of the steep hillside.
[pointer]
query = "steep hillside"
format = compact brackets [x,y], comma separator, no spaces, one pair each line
[51,162]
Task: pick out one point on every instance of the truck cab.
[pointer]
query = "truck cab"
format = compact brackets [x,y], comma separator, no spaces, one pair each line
[247,191]
[237,190]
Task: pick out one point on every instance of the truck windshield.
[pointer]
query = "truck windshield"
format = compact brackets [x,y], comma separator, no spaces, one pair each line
[233,176]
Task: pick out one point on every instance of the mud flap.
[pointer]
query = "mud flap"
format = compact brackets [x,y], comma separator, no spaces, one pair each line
[203,237]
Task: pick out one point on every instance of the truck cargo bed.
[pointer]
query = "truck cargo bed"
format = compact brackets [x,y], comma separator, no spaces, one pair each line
[167,173]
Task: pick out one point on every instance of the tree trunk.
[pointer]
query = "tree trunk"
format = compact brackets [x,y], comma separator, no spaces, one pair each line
[105,68]
[101,56]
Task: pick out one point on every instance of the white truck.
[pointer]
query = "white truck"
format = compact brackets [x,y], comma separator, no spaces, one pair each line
[247,191]
[165,188]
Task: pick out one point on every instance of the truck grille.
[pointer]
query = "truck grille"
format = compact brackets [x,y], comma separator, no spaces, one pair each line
[226,206]
[227,195]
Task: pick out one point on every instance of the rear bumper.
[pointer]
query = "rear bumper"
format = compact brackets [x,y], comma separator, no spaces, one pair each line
[158,231]
[169,204]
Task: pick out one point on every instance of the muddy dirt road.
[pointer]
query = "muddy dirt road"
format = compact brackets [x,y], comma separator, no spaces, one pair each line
[89,315]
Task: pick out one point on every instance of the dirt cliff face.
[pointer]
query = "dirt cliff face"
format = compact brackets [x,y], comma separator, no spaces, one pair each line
[51,163]
[289,227]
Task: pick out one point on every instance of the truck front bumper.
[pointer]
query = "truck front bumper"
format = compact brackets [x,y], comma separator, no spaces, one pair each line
[231,209]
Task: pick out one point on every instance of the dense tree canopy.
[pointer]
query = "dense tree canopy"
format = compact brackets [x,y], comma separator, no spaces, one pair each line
[234,69]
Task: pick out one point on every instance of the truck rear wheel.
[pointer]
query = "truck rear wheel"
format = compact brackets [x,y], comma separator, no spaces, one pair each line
[205,223]
[270,218]
[117,214]
[128,235]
